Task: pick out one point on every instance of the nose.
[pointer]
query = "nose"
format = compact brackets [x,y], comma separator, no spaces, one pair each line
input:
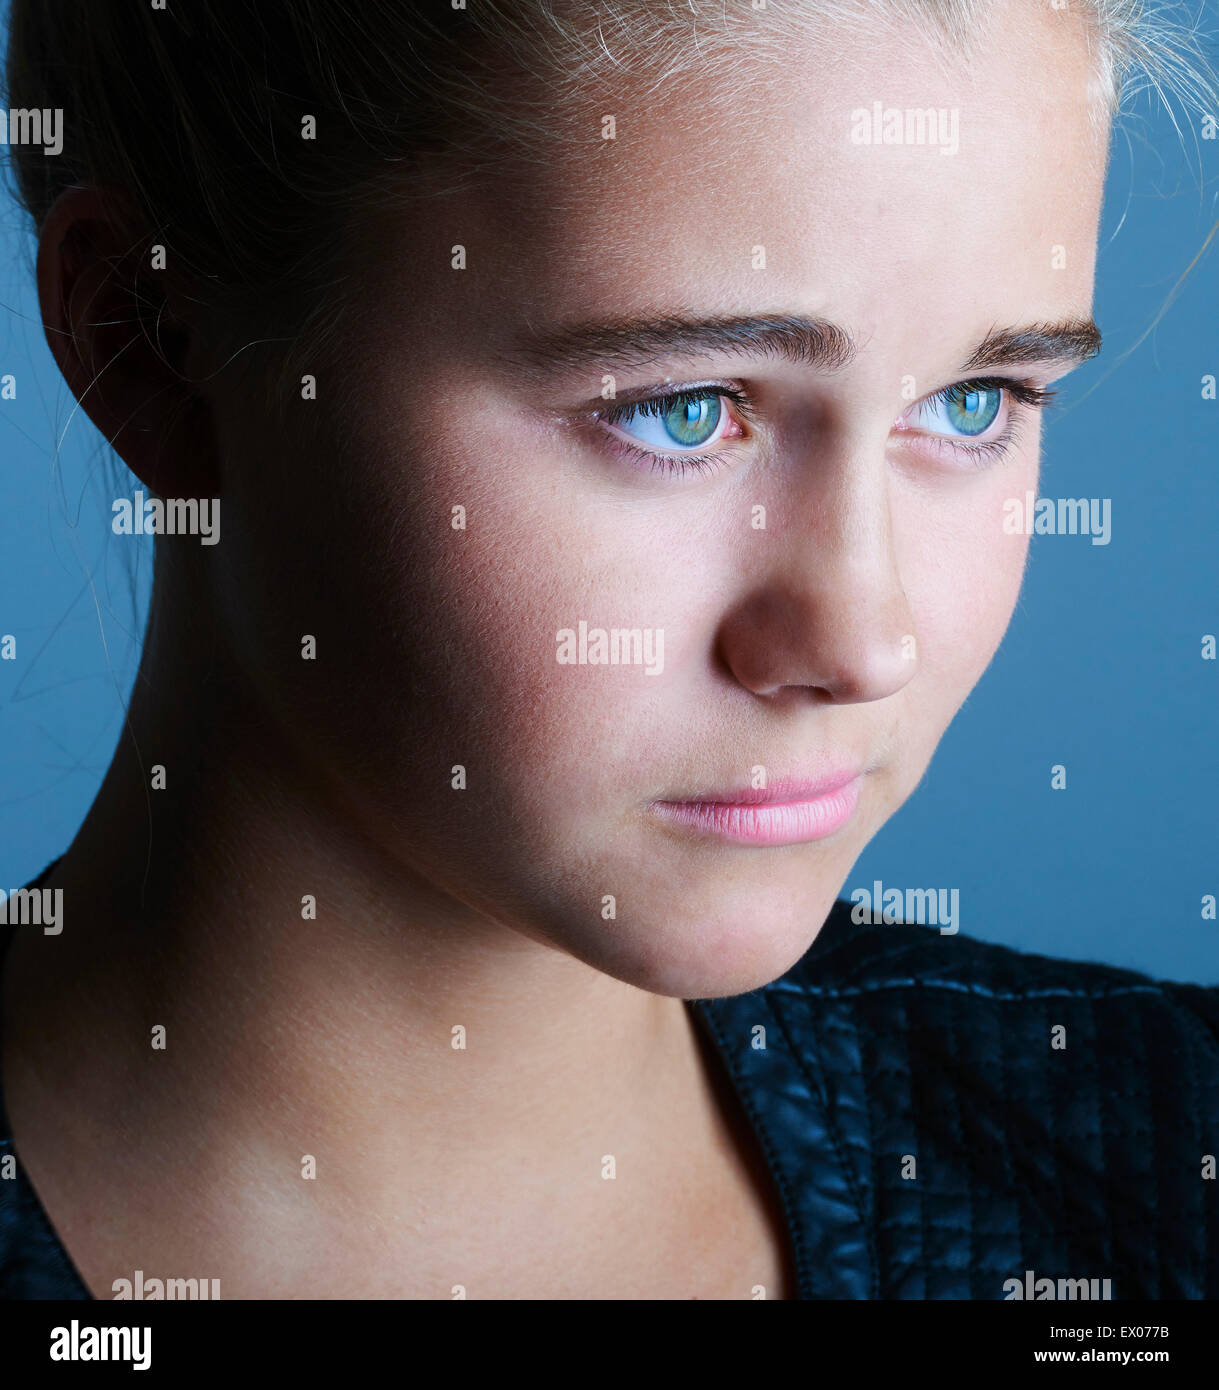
[825,609]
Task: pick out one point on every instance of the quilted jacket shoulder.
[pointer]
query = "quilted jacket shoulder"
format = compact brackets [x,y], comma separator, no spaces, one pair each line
[946,1118]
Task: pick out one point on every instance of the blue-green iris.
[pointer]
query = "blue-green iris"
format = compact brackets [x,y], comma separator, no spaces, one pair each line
[970,410]
[692,422]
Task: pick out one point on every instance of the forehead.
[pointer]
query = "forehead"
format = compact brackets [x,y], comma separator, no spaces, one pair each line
[872,179]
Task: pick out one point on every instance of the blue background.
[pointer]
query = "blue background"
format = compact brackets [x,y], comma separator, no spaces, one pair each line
[1101,669]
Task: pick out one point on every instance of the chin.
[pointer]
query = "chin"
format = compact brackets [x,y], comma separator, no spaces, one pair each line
[713,954]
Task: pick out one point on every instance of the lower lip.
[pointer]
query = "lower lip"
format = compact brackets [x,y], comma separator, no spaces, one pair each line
[767,823]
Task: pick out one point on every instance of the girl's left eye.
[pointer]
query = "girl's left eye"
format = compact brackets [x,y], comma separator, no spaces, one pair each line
[677,428]
[975,422]
[964,411]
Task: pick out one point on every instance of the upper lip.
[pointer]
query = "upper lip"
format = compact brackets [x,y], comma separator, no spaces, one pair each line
[778,790]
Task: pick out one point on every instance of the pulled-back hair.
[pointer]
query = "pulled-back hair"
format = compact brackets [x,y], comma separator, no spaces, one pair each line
[200,111]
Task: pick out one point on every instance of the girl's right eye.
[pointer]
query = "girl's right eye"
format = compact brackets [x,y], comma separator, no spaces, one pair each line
[682,422]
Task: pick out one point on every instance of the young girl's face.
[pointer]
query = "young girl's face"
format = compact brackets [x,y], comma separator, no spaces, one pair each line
[819,576]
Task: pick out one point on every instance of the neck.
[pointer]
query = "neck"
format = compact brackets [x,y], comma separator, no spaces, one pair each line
[286,1033]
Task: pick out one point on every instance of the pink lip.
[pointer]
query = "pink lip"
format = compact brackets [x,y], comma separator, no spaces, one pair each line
[788,812]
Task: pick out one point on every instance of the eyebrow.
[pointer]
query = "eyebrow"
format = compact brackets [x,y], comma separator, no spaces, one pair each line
[1075,341]
[643,342]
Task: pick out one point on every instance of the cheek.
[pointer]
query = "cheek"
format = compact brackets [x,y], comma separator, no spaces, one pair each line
[544,552]
[964,583]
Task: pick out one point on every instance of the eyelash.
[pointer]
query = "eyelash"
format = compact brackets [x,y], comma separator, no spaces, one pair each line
[1031,398]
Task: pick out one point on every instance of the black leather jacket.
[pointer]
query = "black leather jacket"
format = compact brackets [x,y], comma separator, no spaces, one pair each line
[947,1118]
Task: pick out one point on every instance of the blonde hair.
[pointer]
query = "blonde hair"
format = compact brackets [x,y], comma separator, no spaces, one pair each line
[195,111]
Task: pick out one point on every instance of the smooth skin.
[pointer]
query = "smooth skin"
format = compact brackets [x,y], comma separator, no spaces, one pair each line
[785,647]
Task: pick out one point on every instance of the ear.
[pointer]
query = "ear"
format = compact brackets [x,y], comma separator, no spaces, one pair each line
[106,314]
